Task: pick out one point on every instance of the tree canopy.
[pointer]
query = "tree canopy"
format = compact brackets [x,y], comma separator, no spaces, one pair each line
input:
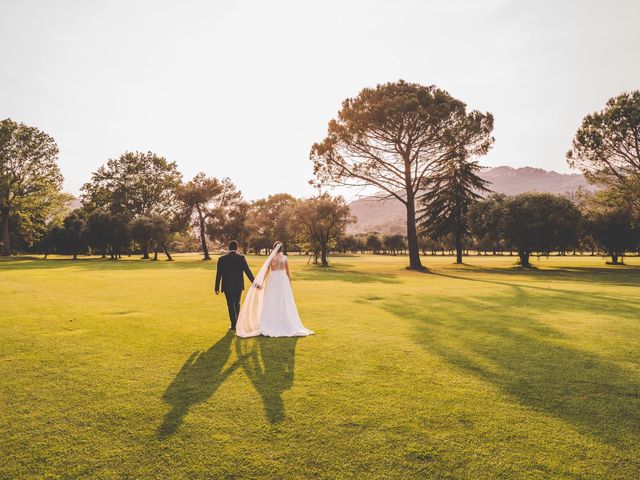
[394,136]
[609,222]
[30,180]
[323,220]
[207,201]
[540,222]
[485,222]
[606,147]
[272,218]
[137,183]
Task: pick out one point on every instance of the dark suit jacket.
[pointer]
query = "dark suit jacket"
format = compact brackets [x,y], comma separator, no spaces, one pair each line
[230,271]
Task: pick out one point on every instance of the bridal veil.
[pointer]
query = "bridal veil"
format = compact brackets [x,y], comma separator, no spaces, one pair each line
[249,318]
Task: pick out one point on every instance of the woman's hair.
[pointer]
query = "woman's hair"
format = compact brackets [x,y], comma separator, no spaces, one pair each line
[276,243]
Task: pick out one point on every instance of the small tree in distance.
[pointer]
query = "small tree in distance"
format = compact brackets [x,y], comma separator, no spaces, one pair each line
[374,244]
[485,222]
[323,220]
[394,244]
[205,198]
[271,219]
[539,222]
[141,231]
[98,229]
[160,236]
[609,222]
[231,224]
[70,239]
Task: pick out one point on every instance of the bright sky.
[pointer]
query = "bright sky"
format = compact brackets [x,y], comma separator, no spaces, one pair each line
[243,88]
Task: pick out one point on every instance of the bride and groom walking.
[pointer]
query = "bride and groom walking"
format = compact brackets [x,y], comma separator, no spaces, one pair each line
[269,308]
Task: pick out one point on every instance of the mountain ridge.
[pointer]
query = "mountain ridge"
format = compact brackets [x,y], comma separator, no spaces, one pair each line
[388,216]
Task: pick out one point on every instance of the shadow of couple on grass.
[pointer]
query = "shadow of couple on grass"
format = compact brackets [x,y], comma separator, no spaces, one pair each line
[268,362]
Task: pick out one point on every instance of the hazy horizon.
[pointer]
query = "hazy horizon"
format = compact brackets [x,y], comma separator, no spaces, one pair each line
[243,89]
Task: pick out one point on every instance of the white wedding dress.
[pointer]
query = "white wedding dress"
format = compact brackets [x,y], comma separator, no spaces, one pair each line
[269,308]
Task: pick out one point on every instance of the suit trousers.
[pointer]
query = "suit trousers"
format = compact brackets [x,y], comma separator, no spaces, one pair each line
[233,304]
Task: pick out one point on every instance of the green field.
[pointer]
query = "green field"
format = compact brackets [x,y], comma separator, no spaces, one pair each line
[126,370]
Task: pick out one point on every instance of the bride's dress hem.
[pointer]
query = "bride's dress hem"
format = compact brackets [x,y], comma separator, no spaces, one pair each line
[304,333]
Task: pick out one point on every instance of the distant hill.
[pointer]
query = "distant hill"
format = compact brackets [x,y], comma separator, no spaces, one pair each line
[512,181]
[388,216]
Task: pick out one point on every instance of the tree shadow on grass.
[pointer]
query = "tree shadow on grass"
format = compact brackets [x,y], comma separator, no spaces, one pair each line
[570,295]
[623,275]
[133,263]
[498,341]
[342,273]
[20,258]
[268,362]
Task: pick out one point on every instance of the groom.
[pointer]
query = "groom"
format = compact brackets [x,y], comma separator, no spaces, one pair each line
[230,269]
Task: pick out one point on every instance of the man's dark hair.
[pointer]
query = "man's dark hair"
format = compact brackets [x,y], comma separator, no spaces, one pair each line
[233,245]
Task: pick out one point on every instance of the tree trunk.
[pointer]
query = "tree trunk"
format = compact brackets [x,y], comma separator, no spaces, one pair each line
[6,239]
[323,257]
[614,258]
[458,248]
[145,252]
[166,252]
[524,259]
[203,237]
[155,254]
[412,234]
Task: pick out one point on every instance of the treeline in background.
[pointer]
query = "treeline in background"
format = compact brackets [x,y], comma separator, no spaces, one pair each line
[138,204]
[414,143]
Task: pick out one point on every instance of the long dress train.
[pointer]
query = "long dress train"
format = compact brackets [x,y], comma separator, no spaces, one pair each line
[269,308]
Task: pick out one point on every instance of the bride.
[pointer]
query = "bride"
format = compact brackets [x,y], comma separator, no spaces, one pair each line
[269,308]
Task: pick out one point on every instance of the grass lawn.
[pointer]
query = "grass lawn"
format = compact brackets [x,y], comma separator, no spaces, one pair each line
[126,370]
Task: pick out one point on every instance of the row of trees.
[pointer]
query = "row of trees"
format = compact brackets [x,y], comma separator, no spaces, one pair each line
[540,223]
[373,242]
[412,142]
[418,144]
[138,202]
[528,224]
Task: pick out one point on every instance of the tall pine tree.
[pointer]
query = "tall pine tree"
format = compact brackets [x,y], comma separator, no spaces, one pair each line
[447,197]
